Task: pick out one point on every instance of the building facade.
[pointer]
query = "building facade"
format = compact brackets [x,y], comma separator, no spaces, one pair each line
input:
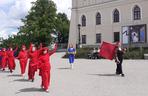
[95,21]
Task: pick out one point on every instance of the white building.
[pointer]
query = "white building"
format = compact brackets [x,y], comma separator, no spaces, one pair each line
[109,20]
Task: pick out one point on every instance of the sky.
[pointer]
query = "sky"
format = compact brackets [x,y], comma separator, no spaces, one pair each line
[12,11]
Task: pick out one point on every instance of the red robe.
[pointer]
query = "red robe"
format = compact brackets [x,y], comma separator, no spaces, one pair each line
[0,60]
[11,59]
[23,57]
[32,64]
[44,66]
[4,59]
[39,54]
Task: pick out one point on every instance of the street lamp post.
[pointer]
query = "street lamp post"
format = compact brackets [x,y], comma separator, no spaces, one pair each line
[79,27]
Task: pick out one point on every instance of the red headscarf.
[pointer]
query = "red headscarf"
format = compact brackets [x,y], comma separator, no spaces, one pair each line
[23,46]
[3,49]
[45,49]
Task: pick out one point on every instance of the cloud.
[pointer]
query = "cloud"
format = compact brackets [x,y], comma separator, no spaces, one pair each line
[12,11]
[5,2]
[64,6]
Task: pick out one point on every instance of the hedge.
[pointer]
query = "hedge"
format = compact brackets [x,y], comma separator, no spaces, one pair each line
[132,53]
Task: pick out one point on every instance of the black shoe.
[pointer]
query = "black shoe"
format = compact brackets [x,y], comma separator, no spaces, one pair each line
[122,75]
[32,80]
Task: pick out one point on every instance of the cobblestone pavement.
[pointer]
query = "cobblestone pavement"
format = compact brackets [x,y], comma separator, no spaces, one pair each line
[88,78]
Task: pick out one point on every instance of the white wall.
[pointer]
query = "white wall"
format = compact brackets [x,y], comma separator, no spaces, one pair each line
[89,8]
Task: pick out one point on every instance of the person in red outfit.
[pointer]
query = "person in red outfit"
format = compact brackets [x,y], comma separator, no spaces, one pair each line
[4,55]
[44,66]
[33,55]
[0,59]
[23,58]
[11,59]
[40,47]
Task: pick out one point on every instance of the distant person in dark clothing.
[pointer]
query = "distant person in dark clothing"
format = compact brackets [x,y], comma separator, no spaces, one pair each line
[119,60]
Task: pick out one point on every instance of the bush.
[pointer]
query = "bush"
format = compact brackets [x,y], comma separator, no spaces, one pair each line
[132,53]
[81,53]
[135,53]
[145,50]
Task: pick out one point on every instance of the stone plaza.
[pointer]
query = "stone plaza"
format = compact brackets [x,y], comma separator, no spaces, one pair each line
[88,78]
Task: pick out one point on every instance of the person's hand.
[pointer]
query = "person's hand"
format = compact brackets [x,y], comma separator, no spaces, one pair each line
[118,62]
[53,46]
[124,50]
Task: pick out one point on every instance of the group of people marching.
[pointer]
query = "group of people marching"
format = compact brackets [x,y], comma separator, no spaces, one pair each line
[39,59]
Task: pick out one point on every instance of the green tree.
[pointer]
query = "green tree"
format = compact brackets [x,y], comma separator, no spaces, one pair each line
[62,26]
[40,21]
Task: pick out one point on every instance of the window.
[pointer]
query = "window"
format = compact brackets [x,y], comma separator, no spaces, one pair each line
[83,39]
[98,18]
[83,21]
[98,38]
[137,13]
[116,16]
[116,36]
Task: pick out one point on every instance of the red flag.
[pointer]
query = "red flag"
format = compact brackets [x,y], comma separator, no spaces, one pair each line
[107,50]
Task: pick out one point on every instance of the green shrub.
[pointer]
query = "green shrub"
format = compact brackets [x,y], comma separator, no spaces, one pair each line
[145,50]
[132,53]
[80,53]
[135,53]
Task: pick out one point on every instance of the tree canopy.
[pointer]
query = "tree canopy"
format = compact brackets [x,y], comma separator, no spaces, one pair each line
[41,21]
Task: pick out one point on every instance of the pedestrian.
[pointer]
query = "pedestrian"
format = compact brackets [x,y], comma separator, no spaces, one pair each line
[71,55]
[4,56]
[40,47]
[33,63]
[119,61]
[23,58]
[11,59]
[0,58]
[95,53]
[44,66]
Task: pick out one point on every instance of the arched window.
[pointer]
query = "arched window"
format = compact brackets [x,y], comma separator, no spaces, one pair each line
[137,13]
[83,20]
[98,18]
[116,15]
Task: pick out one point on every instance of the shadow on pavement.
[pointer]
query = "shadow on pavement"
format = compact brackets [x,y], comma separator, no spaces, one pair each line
[4,71]
[104,74]
[14,75]
[30,90]
[21,80]
[108,75]
[63,68]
